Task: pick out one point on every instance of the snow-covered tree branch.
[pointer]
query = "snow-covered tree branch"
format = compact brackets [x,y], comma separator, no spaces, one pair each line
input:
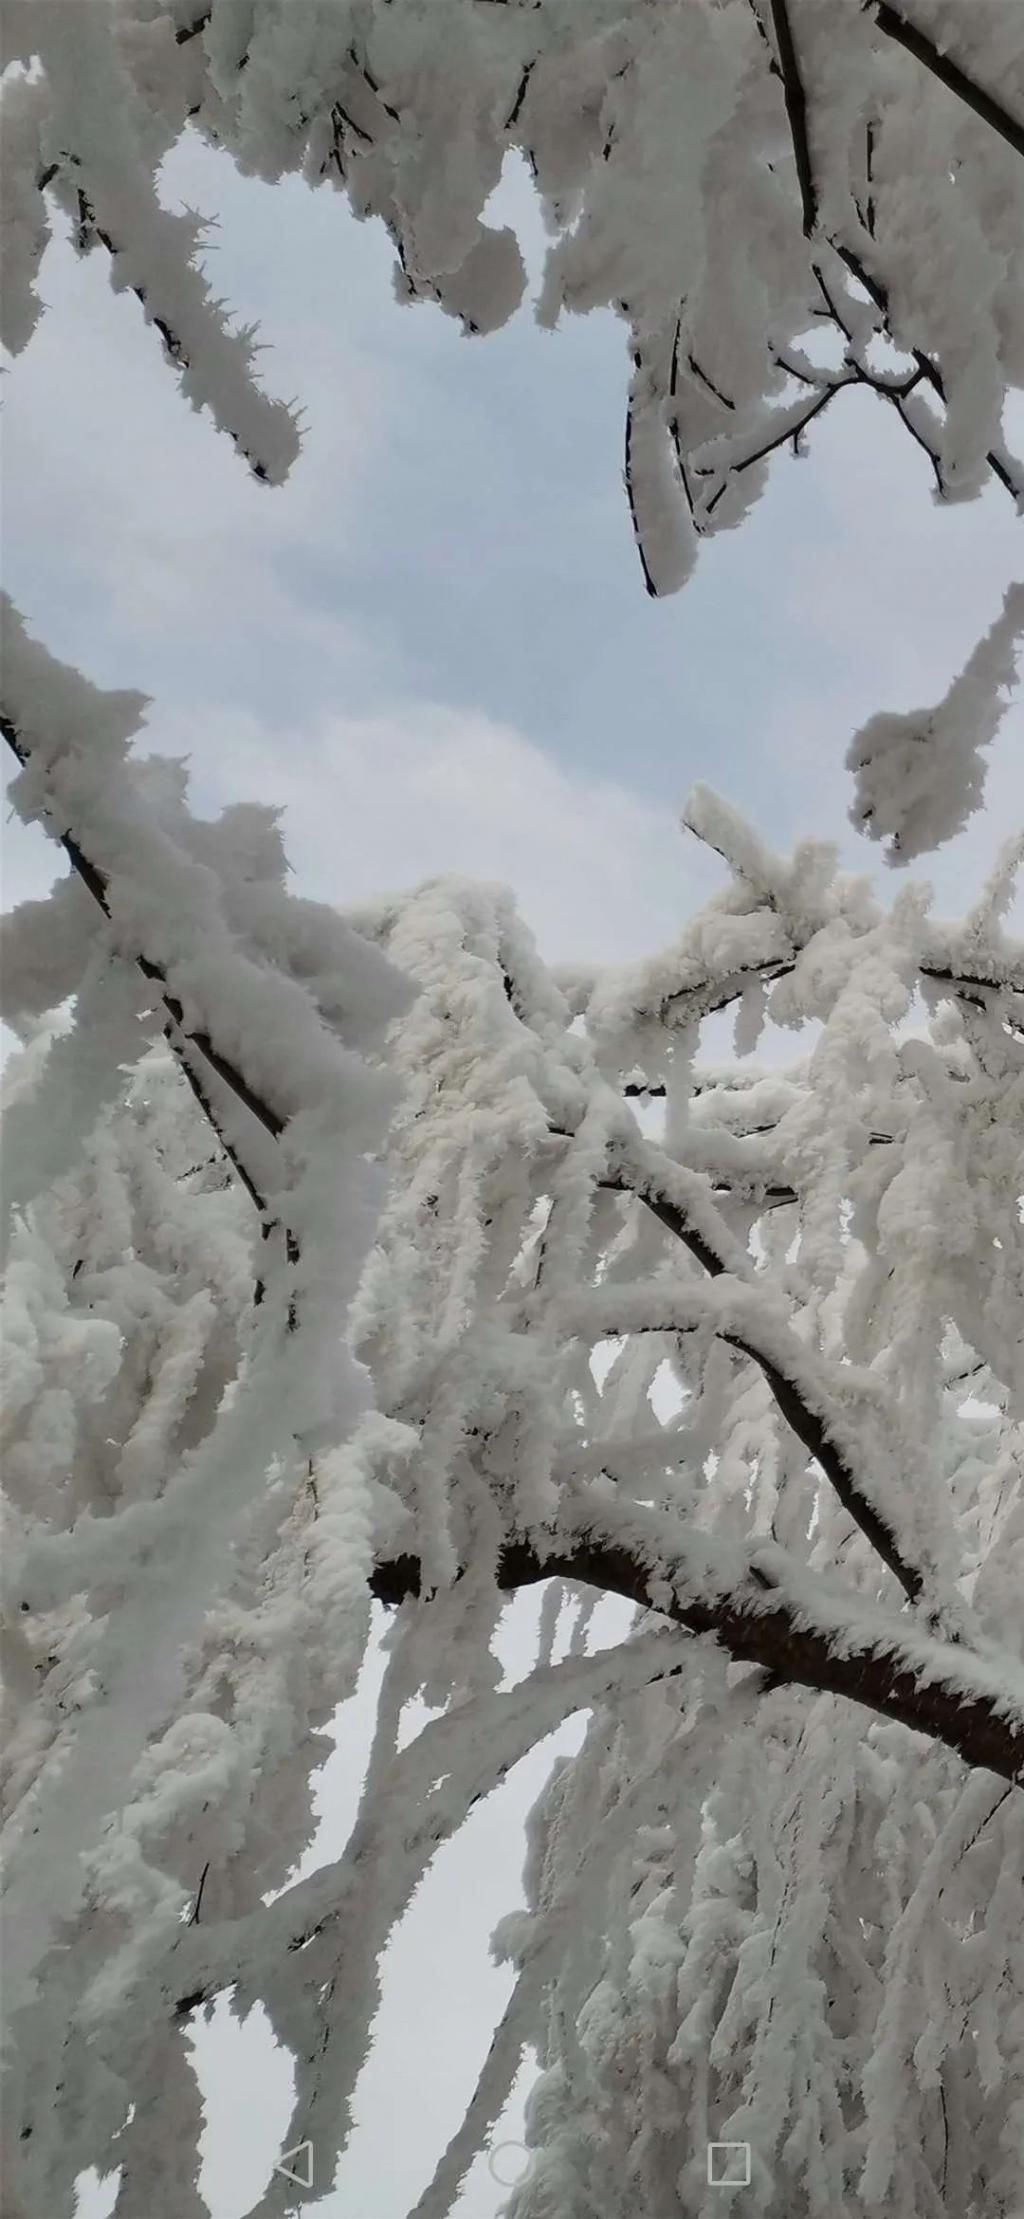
[784,201]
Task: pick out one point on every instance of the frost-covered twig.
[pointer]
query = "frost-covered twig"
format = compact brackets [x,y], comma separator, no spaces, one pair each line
[640,1173]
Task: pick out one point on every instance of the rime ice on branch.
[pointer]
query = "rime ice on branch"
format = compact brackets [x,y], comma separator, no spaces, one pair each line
[784,201]
[777,1896]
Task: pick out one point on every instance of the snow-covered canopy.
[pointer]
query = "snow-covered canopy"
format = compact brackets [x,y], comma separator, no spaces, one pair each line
[782,199]
[737,1343]
[362,1262]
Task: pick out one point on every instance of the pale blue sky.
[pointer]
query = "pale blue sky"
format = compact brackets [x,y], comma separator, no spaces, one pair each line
[453,553]
[433,646]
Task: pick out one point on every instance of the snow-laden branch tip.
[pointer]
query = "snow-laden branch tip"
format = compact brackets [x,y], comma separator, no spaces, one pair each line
[919,774]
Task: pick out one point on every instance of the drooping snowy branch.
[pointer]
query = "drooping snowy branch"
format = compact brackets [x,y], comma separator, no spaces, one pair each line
[919,775]
[129,1320]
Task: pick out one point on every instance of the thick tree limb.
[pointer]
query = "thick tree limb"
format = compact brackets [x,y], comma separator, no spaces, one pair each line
[865,1668]
[827,1642]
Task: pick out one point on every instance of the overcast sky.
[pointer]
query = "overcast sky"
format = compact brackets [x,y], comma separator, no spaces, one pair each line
[432,647]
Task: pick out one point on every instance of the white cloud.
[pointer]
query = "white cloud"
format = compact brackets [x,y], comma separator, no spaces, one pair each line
[376,804]
[888,579]
[117,494]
